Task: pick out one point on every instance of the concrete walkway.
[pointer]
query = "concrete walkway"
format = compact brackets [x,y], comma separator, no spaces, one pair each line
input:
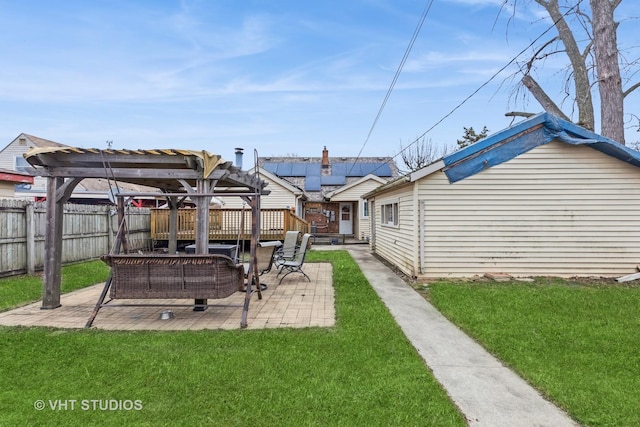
[487,392]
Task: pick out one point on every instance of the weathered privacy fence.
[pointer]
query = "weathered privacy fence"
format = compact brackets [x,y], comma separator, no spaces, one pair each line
[89,232]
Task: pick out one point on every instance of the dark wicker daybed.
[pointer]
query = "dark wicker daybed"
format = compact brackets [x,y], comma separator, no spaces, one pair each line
[159,276]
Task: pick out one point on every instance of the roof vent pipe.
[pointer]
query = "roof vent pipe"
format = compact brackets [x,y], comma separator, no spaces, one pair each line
[239,157]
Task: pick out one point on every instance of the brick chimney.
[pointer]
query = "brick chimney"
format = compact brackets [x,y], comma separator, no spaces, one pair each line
[325,157]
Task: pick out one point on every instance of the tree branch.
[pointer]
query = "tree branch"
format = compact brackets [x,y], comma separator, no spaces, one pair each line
[540,95]
[631,89]
[519,114]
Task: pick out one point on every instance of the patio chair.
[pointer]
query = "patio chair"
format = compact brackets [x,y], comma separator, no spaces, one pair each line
[288,249]
[265,254]
[295,265]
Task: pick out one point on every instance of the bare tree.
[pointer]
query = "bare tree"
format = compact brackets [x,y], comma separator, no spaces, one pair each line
[421,153]
[595,64]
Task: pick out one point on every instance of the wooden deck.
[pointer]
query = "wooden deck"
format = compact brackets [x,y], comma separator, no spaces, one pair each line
[228,224]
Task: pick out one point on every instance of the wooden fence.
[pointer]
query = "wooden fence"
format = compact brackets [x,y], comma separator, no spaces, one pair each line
[88,232]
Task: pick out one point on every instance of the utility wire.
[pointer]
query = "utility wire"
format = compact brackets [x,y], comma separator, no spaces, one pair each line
[464,101]
[395,78]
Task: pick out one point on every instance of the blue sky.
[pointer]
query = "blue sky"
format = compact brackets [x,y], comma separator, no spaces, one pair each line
[284,77]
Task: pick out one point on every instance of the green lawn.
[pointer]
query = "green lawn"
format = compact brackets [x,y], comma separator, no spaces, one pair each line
[579,343]
[20,290]
[360,372]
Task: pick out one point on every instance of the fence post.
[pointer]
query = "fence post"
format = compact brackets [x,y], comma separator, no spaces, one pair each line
[31,237]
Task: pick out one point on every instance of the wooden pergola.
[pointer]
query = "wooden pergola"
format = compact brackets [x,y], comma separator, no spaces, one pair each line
[178,174]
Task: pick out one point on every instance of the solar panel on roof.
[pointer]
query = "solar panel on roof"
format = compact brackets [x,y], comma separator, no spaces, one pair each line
[312,183]
[355,169]
[333,180]
[313,169]
[338,169]
[271,167]
[285,169]
[382,169]
[299,169]
[367,168]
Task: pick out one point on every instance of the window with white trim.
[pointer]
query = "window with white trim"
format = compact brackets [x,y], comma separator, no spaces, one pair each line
[389,214]
[365,209]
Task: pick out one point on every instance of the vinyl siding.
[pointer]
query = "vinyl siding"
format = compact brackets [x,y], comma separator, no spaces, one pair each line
[279,198]
[7,160]
[396,244]
[558,210]
[362,226]
[7,189]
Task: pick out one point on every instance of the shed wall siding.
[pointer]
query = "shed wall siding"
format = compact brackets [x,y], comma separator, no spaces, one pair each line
[558,210]
[395,244]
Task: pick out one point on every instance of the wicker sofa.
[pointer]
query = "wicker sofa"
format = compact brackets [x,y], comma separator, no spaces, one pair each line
[158,276]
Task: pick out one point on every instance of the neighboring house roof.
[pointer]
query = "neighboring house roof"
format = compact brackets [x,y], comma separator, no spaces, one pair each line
[320,176]
[35,142]
[14,176]
[275,178]
[356,183]
[41,142]
[512,142]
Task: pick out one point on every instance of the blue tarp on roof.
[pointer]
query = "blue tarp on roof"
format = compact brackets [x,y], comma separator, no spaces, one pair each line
[514,141]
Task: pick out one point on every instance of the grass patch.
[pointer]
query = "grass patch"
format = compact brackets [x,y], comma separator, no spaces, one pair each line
[21,290]
[576,343]
[361,372]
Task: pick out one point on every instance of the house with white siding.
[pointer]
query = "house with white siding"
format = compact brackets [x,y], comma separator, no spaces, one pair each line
[283,194]
[352,193]
[332,188]
[10,179]
[11,158]
[90,190]
[542,198]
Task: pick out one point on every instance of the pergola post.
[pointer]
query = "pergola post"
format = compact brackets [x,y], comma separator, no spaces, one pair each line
[53,246]
[253,277]
[202,227]
[173,203]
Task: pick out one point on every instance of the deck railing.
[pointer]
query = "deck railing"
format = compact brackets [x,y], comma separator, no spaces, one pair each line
[228,224]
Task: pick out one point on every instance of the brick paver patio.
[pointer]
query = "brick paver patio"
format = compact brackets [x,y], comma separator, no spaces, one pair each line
[296,303]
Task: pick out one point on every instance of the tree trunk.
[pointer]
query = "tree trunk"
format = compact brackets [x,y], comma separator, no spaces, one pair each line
[605,45]
[578,63]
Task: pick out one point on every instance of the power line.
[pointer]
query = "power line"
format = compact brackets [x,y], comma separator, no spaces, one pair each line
[395,77]
[464,101]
